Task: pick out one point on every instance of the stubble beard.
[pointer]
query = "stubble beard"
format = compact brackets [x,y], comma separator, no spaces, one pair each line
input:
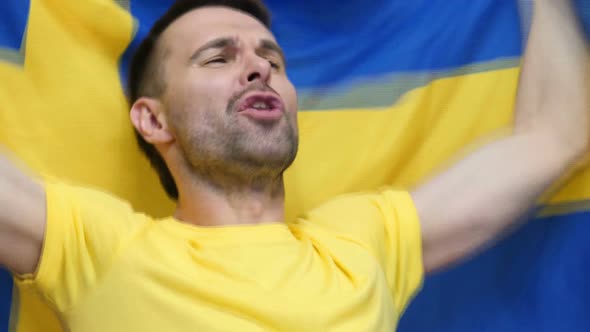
[235,153]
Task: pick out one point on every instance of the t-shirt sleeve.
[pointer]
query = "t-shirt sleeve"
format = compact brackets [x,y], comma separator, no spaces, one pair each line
[85,229]
[387,224]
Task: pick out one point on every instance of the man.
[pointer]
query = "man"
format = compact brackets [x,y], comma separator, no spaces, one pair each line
[216,114]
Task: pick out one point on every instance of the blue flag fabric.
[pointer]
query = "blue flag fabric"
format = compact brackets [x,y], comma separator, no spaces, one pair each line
[5,299]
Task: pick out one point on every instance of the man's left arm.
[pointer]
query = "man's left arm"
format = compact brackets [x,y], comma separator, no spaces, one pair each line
[491,189]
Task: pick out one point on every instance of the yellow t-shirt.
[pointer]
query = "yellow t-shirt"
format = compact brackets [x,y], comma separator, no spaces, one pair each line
[350,265]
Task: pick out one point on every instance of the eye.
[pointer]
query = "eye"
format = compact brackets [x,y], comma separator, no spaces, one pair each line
[217,60]
[274,64]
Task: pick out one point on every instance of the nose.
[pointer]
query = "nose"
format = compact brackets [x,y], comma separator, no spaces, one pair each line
[256,69]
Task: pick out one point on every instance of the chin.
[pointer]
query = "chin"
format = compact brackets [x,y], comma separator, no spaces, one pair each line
[273,157]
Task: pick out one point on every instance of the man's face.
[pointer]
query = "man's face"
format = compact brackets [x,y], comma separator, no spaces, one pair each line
[228,100]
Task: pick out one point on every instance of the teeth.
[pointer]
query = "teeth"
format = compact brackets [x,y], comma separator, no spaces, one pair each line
[260,105]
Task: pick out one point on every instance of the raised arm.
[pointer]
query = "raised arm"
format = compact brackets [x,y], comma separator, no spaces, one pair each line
[22,219]
[492,188]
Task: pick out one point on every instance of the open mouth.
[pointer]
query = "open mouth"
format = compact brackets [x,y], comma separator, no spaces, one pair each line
[262,106]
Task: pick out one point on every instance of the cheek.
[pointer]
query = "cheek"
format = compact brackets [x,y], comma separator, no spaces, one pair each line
[202,91]
[287,91]
[290,99]
[190,102]
[204,99]
[202,86]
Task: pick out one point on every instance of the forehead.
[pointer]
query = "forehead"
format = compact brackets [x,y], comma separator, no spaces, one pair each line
[204,24]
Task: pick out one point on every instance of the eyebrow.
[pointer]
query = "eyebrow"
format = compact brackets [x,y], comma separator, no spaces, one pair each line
[224,42]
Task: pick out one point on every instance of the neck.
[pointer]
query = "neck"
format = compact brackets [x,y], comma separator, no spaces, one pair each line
[204,203]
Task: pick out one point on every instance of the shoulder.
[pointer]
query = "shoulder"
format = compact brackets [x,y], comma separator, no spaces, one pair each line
[365,214]
[60,192]
[88,205]
[363,205]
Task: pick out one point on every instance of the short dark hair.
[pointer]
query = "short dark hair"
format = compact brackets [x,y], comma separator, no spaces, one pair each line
[146,75]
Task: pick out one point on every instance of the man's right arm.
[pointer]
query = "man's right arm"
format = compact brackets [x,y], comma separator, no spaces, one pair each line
[22,219]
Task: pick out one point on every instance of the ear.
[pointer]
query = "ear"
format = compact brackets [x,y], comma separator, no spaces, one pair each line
[149,119]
